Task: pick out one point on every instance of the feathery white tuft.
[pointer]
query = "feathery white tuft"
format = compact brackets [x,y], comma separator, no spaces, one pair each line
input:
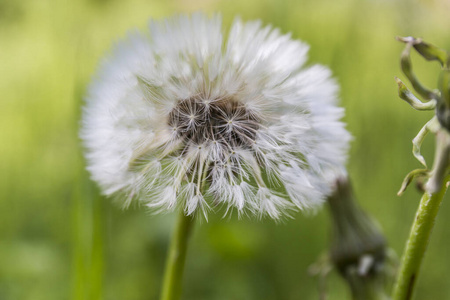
[181,117]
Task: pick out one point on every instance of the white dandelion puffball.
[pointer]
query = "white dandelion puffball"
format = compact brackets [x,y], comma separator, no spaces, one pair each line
[185,116]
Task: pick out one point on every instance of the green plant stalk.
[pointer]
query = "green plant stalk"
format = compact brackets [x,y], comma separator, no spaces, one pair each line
[425,218]
[171,289]
[97,251]
[417,243]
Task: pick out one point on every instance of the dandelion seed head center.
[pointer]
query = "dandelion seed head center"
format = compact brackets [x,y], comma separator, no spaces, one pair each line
[225,121]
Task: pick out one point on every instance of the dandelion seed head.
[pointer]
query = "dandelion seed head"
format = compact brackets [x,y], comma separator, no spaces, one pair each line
[187,117]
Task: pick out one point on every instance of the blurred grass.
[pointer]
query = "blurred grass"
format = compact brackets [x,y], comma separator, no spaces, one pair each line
[60,240]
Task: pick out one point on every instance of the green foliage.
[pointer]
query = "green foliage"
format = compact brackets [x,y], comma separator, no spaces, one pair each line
[60,240]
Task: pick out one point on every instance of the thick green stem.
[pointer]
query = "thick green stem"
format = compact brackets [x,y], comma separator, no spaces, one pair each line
[171,289]
[417,244]
[425,218]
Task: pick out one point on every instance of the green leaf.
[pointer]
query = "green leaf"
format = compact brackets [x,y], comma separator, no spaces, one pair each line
[431,52]
[427,50]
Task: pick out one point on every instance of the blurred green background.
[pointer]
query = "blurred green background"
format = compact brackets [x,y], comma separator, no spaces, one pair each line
[60,240]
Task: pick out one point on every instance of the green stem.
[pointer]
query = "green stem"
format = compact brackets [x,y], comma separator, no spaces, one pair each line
[417,243]
[425,218]
[173,276]
[97,250]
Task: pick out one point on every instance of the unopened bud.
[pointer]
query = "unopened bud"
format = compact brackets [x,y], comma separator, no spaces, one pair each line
[358,249]
[355,234]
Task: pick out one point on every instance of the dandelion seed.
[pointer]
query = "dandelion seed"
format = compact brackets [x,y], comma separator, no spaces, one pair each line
[188,117]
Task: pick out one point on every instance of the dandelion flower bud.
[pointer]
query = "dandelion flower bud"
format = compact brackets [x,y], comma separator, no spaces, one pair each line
[186,116]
